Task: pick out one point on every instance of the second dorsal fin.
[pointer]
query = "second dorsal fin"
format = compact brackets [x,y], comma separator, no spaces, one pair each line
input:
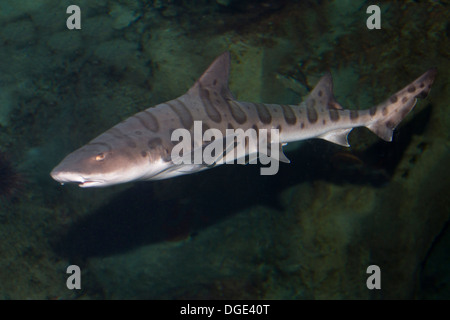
[322,94]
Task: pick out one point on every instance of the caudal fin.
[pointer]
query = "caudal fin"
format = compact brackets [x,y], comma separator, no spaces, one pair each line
[390,113]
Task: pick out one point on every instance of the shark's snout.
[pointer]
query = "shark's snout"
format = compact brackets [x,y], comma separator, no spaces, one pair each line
[63,177]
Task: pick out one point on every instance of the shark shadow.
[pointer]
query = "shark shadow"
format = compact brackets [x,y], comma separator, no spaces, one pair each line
[176,209]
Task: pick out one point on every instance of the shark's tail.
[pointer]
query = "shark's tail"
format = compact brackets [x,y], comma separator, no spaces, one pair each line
[390,113]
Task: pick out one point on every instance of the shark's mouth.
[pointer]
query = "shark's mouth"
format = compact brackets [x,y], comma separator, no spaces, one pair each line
[68,177]
[90,183]
[85,183]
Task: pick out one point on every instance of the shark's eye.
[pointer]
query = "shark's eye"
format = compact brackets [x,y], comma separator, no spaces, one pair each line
[100,157]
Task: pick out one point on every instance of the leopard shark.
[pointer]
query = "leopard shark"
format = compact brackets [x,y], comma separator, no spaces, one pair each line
[140,147]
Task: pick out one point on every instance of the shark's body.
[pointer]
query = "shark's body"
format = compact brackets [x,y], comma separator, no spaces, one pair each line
[139,148]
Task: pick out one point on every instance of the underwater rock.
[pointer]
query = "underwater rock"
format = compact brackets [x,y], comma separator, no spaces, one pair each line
[18,33]
[11,10]
[318,247]
[11,181]
[225,3]
[6,105]
[116,51]
[306,233]
[204,266]
[435,278]
[65,42]
[98,28]
[122,16]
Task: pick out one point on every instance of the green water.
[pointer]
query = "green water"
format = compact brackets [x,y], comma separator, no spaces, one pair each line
[309,232]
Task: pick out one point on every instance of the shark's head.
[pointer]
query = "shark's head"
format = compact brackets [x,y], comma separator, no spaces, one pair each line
[100,164]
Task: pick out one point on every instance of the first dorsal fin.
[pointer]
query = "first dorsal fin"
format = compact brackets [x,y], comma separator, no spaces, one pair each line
[322,94]
[215,78]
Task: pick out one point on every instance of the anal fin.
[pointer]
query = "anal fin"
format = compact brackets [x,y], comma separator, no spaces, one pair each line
[279,156]
[282,157]
[338,136]
[251,158]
